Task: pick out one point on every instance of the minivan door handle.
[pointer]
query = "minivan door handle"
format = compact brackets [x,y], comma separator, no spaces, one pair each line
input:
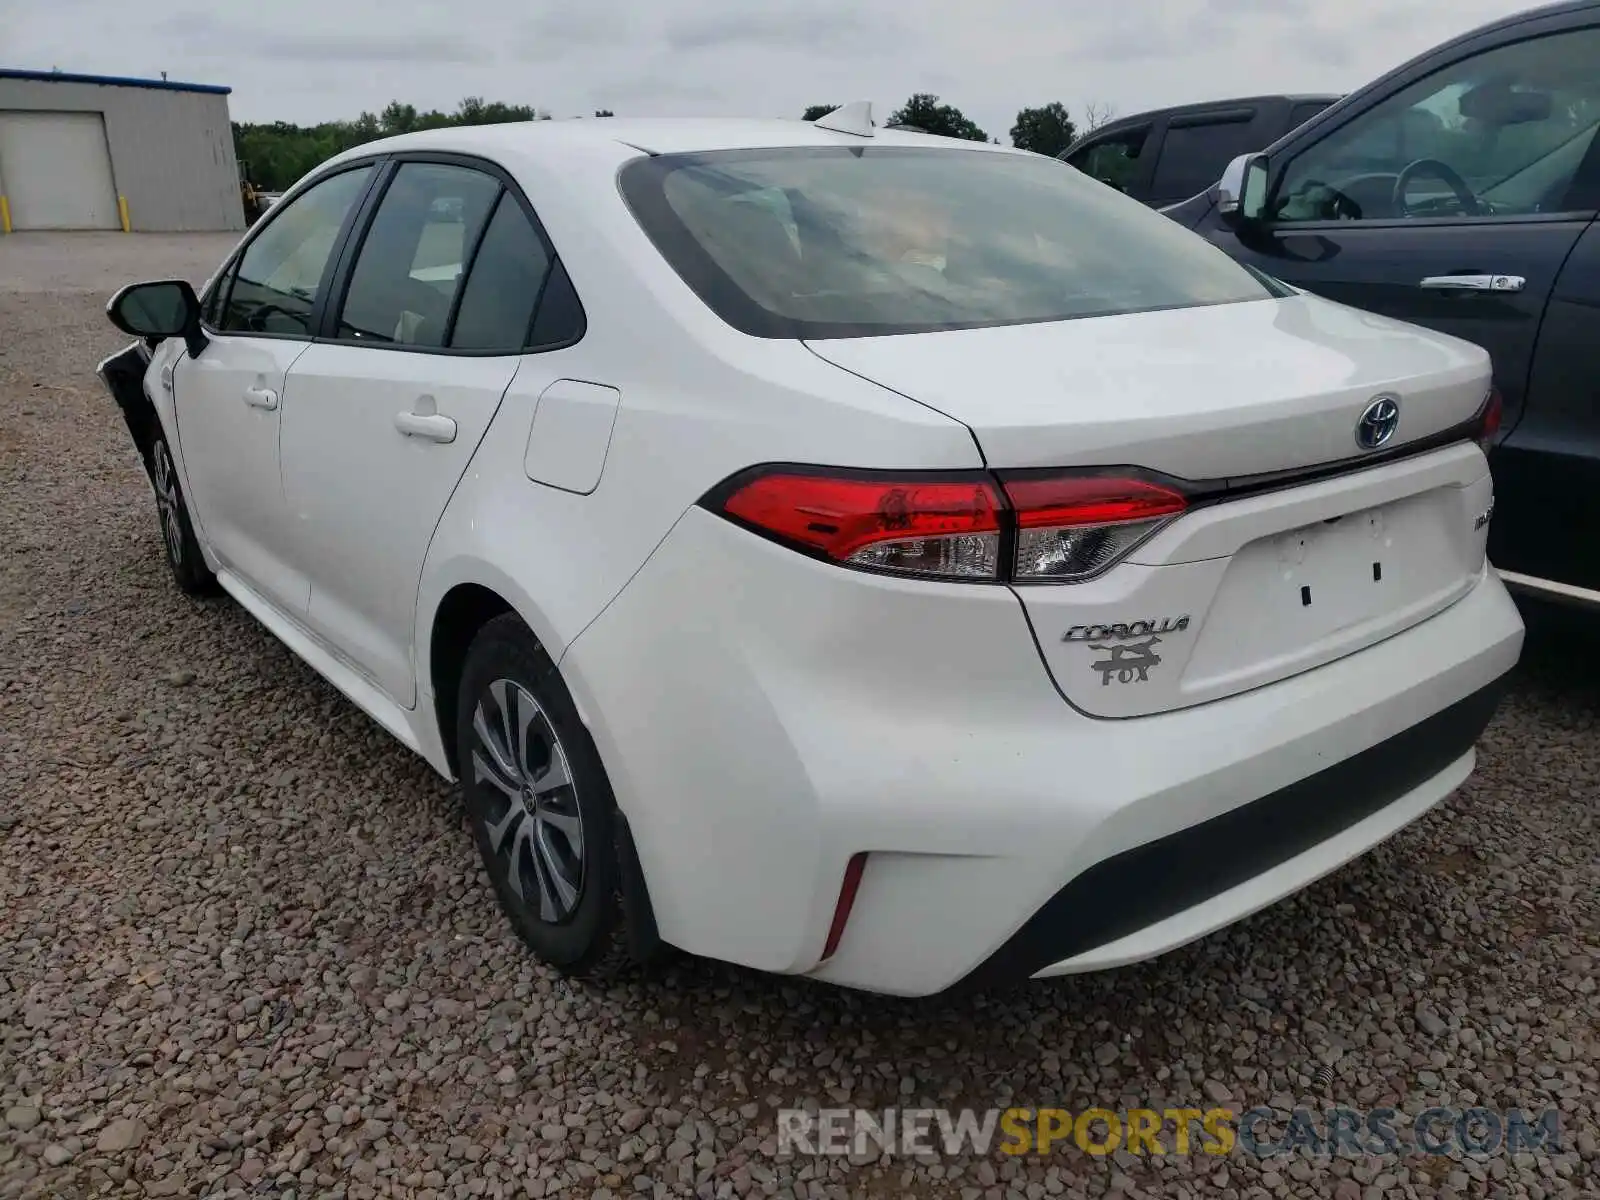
[1475,283]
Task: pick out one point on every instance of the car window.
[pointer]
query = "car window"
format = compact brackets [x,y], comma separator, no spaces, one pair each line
[282,268]
[1501,133]
[560,321]
[409,267]
[1115,160]
[879,240]
[1193,157]
[503,287]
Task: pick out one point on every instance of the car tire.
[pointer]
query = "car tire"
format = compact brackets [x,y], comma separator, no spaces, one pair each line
[539,804]
[182,548]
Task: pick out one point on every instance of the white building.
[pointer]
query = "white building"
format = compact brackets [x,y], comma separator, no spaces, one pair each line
[101,152]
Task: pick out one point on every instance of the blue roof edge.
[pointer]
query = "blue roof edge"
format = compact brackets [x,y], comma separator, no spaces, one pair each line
[162,85]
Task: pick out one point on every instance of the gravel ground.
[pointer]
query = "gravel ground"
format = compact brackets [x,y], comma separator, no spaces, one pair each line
[245,946]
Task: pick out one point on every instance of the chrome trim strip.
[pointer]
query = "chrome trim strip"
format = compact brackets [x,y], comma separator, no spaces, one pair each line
[1551,589]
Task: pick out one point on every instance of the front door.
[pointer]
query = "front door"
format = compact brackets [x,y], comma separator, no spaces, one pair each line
[229,400]
[385,413]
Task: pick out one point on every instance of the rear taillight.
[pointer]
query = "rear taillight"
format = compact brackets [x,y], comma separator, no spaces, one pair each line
[1030,528]
[1489,419]
[1073,527]
[943,528]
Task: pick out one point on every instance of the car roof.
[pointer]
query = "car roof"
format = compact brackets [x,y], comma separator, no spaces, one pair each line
[649,135]
[1178,110]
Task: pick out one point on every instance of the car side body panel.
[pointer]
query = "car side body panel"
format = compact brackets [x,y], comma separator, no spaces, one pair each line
[1549,467]
[670,442]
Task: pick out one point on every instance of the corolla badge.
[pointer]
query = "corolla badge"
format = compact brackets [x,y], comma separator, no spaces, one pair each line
[1378,422]
[1124,631]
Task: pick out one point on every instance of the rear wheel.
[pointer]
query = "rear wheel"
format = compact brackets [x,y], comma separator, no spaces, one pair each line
[182,549]
[539,803]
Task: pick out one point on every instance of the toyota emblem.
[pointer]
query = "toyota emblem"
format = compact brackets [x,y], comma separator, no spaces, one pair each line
[1378,422]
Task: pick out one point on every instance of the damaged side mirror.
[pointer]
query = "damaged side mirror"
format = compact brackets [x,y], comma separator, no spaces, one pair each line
[160,309]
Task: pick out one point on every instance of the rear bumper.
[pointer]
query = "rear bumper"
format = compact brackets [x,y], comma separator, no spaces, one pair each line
[764,717]
[1163,894]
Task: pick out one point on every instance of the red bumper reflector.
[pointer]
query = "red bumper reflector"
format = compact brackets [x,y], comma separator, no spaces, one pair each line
[847,899]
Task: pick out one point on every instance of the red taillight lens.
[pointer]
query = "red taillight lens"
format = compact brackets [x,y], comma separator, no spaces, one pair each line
[1060,528]
[1073,527]
[947,528]
[1494,411]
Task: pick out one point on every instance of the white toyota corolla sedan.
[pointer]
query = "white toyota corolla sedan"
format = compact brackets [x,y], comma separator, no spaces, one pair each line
[902,562]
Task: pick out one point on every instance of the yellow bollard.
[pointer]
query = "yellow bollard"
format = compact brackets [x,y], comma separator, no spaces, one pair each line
[122,211]
[5,216]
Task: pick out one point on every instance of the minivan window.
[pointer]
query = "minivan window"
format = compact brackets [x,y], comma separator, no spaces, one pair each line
[883,240]
[1500,133]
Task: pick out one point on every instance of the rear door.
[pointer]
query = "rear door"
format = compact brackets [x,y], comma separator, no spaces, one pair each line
[385,411]
[1198,146]
[1451,200]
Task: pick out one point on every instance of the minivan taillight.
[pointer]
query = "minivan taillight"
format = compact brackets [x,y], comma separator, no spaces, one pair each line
[1033,528]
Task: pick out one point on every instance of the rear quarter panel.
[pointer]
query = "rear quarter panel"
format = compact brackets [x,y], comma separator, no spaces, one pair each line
[698,403]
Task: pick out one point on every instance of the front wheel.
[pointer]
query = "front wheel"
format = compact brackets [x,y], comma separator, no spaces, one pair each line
[539,803]
[188,566]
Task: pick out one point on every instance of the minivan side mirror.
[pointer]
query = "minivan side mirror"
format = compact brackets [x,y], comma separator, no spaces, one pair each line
[161,309]
[1242,192]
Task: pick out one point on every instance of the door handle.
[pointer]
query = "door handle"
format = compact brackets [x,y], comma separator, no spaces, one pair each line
[261,397]
[1475,283]
[430,427]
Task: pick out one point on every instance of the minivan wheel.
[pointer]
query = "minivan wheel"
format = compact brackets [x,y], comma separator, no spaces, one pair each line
[539,803]
[182,548]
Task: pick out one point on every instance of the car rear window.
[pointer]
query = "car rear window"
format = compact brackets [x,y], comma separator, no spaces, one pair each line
[820,242]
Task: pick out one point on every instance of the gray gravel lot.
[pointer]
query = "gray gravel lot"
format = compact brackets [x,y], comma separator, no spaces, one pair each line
[245,946]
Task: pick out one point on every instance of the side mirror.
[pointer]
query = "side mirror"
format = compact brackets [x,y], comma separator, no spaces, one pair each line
[162,309]
[1242,193]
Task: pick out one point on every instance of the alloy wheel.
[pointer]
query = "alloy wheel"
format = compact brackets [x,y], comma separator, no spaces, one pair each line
[532,818]
[168,502]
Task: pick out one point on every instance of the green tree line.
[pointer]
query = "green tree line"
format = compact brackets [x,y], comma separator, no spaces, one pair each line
[272,156]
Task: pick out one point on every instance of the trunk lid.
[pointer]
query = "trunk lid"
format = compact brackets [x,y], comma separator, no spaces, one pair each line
[1200,393]
[1244,590]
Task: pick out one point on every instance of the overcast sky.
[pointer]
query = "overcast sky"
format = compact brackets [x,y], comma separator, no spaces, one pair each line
[310,60]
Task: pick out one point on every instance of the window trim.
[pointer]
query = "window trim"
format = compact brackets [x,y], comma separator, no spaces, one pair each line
[1102,137]
[351,247]
[229,271]
[1535,26]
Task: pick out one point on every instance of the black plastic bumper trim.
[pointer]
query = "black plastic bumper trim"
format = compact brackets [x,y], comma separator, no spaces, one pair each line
[1147,884]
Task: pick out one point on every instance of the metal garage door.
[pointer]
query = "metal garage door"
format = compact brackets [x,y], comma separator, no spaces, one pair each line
[55,170]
